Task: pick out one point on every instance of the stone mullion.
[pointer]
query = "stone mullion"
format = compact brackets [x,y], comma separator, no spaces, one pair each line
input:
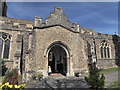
[103,52]
[106,52]
[110,52]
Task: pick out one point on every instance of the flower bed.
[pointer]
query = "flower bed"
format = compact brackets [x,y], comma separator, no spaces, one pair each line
[7,86]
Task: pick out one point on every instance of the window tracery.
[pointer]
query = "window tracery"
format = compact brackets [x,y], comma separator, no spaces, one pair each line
[105,49]
[4,45]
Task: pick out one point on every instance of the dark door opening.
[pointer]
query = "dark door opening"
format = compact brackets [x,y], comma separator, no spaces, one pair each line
[57,60]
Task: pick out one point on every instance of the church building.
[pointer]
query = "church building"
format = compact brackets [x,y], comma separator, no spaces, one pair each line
[33,46]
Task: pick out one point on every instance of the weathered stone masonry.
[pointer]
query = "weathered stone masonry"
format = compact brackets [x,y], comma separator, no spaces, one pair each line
[32,41]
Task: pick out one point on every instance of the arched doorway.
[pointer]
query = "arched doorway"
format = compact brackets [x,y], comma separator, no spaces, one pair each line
[57,59]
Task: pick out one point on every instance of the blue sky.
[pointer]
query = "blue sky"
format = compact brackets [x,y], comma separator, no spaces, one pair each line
[100,16]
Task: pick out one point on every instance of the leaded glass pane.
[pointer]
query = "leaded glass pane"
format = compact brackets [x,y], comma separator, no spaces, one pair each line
[108,52]
[6,49]
[105,44]
[101,49]
[105,52]
[4,35]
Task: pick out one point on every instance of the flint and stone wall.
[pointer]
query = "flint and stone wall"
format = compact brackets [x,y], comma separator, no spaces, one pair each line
[14,27]
[83,44]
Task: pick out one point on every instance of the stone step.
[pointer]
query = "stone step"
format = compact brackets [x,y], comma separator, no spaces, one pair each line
[56,76]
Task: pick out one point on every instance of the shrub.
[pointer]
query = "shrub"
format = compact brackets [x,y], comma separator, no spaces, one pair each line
[34,77]
[20,78]
[3,67]
[94,79]
[40,76]
[11,77]
[37,76]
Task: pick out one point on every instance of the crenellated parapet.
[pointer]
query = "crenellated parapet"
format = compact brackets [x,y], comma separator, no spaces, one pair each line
[85,32]
[15,24]
[57,17]
[103,36]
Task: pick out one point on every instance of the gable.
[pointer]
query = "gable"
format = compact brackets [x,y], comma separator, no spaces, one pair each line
[56,18]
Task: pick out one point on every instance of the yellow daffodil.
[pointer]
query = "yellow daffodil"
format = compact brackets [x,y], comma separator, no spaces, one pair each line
[23,85]
[10,86]
[7,83]
[2,85]
[15,86]
[18,86]
[23,81]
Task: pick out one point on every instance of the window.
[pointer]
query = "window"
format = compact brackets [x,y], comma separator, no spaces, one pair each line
[6,49]
[105,49]
[4,45]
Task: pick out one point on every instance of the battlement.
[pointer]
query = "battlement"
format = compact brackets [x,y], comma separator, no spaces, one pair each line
[15,24]
[101,35]
[85,32]
[90,33]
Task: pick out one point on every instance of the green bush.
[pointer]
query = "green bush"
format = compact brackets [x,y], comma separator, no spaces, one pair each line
[20,78]
[11,76]
[94,79]
[37,76]
[40,76]
[34,77]
[3,67]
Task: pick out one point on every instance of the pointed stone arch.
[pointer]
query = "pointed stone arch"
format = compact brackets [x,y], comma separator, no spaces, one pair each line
[68,56]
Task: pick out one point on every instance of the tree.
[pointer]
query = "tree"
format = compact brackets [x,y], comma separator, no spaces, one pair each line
[95,79]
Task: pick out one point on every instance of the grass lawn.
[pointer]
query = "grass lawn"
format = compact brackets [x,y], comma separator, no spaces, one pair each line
[104,71]
[115,84]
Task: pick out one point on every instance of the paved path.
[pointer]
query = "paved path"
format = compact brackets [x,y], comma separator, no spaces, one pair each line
[51,83]
[78,83]
[111,77]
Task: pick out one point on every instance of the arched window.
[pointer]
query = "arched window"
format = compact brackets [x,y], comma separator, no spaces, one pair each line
[4,45]
[105,49]
[6,49]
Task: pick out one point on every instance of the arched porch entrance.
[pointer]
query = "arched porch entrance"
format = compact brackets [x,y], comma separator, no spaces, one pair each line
[58,58]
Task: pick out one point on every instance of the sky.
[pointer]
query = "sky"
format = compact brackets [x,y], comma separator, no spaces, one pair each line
[100,16]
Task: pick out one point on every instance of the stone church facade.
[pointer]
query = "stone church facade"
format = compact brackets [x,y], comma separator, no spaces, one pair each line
[32,46]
